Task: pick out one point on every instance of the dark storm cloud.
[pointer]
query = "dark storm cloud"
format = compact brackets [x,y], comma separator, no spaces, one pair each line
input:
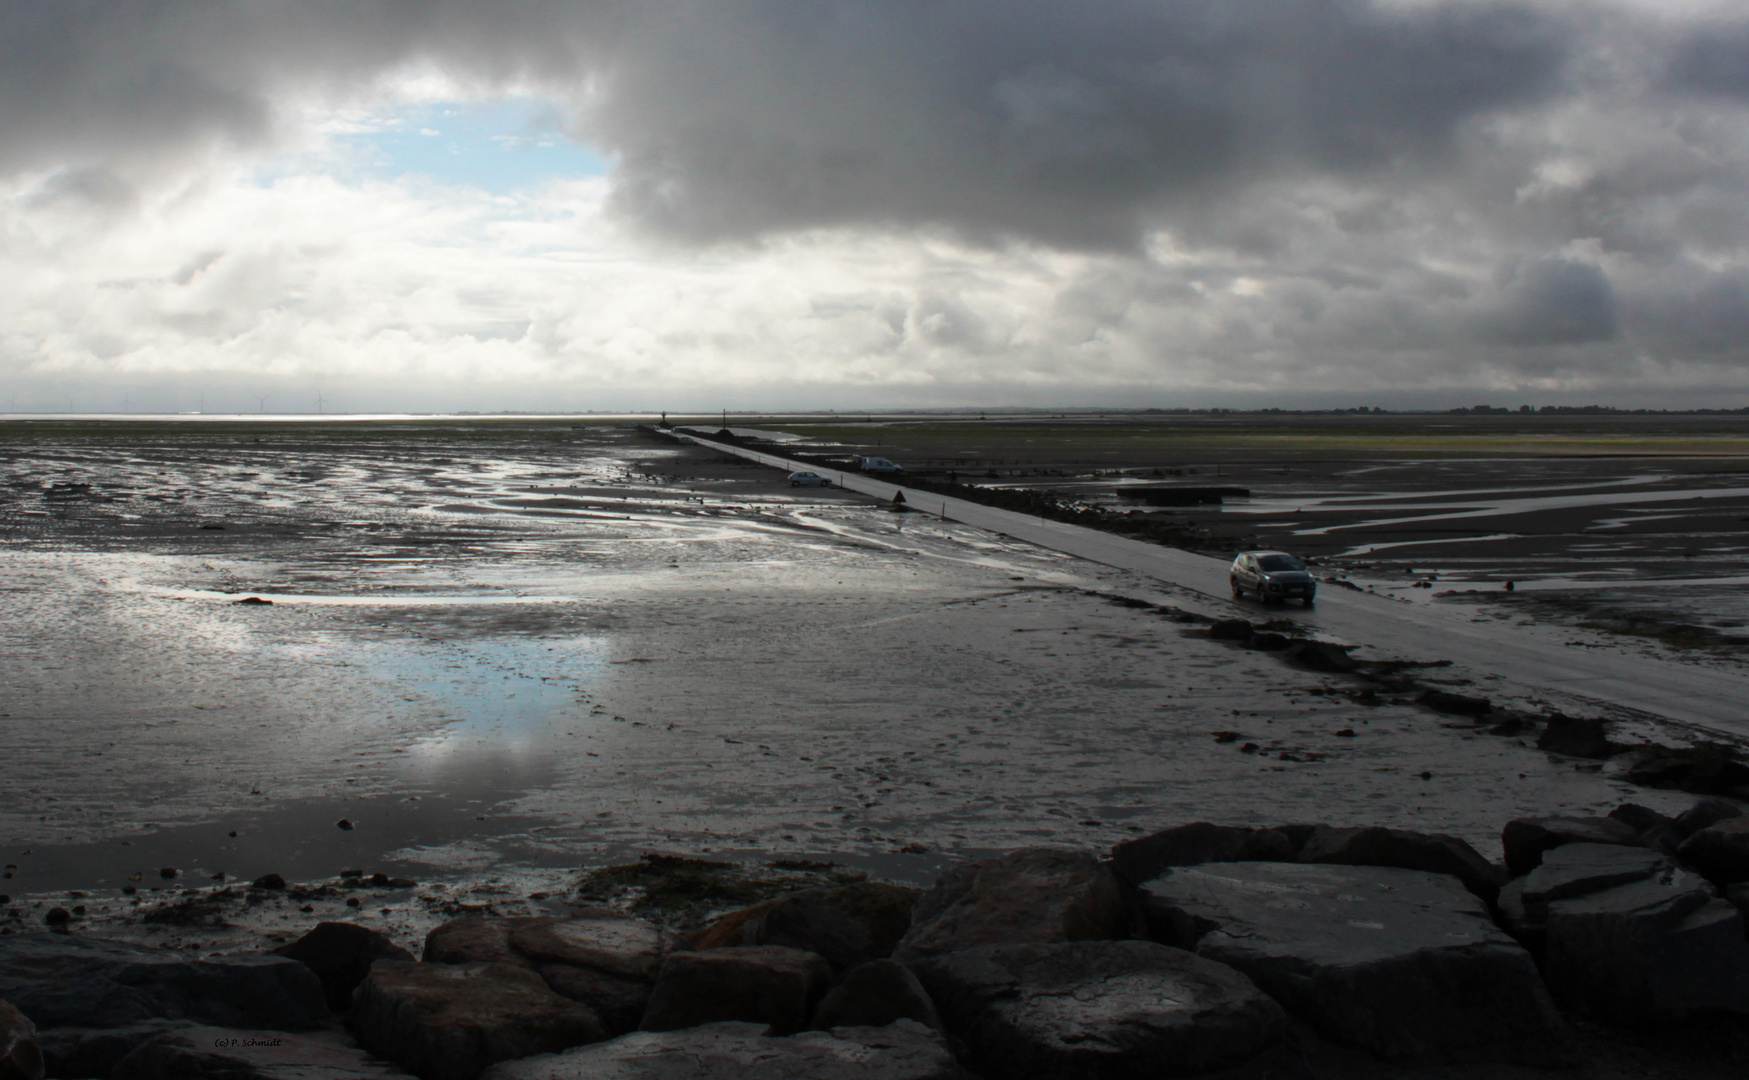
[1554,302]
[1065,122]
[1712,60]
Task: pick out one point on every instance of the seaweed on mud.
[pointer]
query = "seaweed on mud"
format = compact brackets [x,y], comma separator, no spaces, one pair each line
[201,909]
[683,893]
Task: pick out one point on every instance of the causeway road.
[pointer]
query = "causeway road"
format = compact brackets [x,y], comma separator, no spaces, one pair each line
[1705,697]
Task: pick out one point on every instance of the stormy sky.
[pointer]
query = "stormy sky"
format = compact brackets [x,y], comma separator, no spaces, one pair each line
[442,204]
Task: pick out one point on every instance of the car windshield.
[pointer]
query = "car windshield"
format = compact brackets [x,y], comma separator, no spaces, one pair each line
[1273,563]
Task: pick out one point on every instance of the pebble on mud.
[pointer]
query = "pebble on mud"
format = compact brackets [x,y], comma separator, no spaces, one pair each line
[345,825]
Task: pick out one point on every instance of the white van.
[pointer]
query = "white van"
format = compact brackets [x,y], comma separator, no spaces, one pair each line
[877,464]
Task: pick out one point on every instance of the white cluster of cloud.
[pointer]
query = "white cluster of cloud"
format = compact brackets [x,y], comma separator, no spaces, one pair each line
[849,202]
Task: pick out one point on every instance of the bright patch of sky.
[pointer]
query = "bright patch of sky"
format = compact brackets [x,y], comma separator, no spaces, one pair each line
[498,146]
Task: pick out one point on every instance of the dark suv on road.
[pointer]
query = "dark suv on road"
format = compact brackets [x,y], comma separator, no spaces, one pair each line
[1272,576]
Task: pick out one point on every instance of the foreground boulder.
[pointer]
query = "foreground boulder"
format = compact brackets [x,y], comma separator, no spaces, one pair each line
[1435,853]
[341,955]
[1097,1009]
[848,925]
[198,1053]
[1655,949]
[20,1056]
[449,1021]
[1401,962]
[731,1051]
[1705,813]
[764,984]
[876,994]
[1569,871]
[1032,895]
[601,959]
[1525,839]
[74,1051]
[1720,851]
[59,980]
[1143,858]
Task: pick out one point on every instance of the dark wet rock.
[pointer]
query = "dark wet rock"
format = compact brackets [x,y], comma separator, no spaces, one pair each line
[738,1051]
[1582,869]
[603,941]
[1704,814]
[1641,819]
[57,916]
[1525,839]
[1231,630]
[269,881]
[476,939]
[253,601]
[1516,919]
[1703,771]
[209,1053]
[62,980]
[873,995]
[82,1051]
[341,955]
[20,1056]
[1268,642]
[764,984]
[1033,895]
[600,958]
[1455,704]
[1098,1009]
[1435,853]
[1141,859]
[1720,851]
[1401,962]
[1647,952]
[1325,657]
[345,825]
[450,1021]
[604,960]
[1576,737]
[1138,860]
[848,925]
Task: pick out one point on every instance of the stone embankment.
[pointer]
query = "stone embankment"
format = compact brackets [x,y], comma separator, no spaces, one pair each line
[1196,950]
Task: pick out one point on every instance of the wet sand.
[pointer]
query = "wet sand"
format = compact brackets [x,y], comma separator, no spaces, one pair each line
[508,649]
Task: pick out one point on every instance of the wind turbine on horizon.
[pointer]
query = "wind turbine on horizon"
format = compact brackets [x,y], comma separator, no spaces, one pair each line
[262,398]
[320,401]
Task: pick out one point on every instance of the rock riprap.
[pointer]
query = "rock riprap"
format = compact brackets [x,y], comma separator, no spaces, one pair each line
[1138,860]
[1034,895]
[20,1056]
[740,1051]
[450,1021]
[1525,839]
[1402,962]
[1634,939]
[59,980]
[602,959]
[764,984]
[341,954]
[873,995]
[209,1053]
[1435,853]
[1098,1009]
[1720,851]
[848,925]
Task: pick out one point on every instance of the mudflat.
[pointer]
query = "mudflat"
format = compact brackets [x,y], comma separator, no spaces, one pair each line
[498,645]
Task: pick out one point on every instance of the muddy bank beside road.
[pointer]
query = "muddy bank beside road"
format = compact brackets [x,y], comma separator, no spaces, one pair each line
[490,651]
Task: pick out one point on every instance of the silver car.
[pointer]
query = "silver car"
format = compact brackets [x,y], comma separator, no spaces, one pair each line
[1272,576]
[808,479]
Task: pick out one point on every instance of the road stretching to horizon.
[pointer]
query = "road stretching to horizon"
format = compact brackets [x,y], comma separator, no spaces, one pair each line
[1704,697]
